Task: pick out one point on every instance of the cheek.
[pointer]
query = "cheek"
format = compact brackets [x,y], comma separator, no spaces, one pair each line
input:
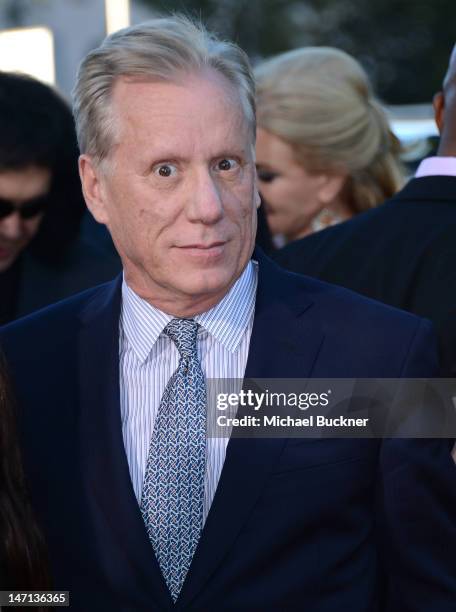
[132,216]
[239,200]
[247,223]
[138,229]
[282,193]
[311,204]
[301,197]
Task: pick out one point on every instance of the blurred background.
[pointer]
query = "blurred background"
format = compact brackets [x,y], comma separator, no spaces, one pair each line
[403,45]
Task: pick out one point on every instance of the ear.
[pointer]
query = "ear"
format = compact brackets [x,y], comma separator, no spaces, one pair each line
[257,198]
[331,186]
[92,188]
[438,102]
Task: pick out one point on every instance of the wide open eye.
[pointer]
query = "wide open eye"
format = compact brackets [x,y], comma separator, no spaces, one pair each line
[226,164]
[165,170]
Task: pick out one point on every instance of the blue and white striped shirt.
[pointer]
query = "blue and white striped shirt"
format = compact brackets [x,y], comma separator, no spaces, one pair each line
[148,359]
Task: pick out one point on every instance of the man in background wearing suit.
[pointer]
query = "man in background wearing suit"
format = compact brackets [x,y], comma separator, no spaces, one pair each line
[143,510]
[402,253]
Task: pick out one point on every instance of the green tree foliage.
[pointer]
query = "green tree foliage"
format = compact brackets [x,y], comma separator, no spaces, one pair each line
[404,44]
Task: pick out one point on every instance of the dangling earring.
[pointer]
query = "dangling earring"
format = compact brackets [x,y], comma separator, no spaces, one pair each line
[323,219]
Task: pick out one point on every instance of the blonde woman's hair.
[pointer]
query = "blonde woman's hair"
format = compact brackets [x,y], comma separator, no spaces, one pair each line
[164,49]
[320,100]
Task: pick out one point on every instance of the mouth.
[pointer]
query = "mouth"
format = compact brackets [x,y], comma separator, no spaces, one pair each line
[207,251]
[203,247]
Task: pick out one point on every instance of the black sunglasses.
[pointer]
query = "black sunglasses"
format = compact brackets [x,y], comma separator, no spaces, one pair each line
[26,210]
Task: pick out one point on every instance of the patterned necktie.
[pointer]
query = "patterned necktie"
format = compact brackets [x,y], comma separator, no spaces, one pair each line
[173,490]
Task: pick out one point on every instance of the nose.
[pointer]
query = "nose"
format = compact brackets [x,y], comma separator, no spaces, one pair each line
[205,202]
[11,226]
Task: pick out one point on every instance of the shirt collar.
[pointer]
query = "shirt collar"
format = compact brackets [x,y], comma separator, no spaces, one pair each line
[141,322]
[227,321]
[437,166]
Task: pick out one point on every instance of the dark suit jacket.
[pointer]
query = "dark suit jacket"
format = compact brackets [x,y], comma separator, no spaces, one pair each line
[402,253]
[83,266]
[314,525]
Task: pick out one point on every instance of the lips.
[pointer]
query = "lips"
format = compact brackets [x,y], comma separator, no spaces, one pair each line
[203,253]
[203,247]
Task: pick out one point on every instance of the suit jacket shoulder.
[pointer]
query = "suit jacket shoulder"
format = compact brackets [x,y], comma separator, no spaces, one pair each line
[358,336]
[400,253]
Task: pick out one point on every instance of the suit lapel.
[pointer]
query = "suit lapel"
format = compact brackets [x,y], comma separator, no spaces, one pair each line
[106,476]
[284,344]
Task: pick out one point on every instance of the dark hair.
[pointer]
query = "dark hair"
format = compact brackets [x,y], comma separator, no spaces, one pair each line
[22,549]
[37,128]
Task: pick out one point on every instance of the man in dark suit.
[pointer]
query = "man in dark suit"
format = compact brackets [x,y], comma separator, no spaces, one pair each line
[141,511]
[403,252]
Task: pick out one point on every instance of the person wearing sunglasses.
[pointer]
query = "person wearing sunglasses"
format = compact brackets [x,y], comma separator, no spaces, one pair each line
[22,212]
[43,254]
[30,209]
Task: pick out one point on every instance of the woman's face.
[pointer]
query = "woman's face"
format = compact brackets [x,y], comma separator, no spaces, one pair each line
[292,196]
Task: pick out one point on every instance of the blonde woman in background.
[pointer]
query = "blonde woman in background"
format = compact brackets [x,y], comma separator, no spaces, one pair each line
[325,151]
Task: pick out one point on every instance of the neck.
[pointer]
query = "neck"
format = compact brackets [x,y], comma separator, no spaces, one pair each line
[179,306]
[336,212]
[446,149]
[447,144]
[185,310]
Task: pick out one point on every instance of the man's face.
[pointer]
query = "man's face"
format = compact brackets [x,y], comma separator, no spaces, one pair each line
[20,187]
[179,194]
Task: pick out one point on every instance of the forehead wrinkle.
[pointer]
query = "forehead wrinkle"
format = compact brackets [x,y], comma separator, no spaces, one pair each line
[159,92]
[168,108]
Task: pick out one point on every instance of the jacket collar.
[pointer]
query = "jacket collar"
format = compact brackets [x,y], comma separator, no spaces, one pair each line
[429,188]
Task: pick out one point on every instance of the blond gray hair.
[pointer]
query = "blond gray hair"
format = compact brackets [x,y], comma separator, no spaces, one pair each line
[162,49]
[320,100]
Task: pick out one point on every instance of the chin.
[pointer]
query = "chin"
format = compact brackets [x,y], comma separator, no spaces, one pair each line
[207,282]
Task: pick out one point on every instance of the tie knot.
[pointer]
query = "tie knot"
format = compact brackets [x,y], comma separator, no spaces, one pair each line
[183,333]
